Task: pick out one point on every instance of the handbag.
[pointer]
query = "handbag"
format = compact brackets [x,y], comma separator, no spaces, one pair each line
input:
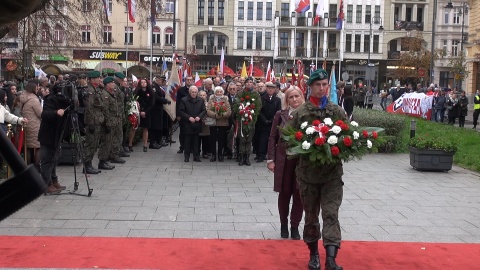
[209,121]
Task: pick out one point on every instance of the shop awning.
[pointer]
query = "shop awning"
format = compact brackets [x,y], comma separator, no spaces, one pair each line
[56,69]
[139,71]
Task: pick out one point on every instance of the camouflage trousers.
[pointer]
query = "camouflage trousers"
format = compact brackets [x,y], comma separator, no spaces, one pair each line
[92,140]
[245,145]
[106,143]
[117,137]
[326,197]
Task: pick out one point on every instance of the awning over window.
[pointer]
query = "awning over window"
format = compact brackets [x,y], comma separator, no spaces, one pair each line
[56,69]
[139,71]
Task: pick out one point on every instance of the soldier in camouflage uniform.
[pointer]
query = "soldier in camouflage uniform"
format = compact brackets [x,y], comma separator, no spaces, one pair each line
[321,186]
[119,132]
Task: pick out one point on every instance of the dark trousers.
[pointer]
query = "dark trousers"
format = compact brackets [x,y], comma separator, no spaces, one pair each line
[181,138]
[476,113]
[48,163]
[218,134]
[263,141]
[461,121]
[204,144]
[191,145]
[290,190]
[155,135]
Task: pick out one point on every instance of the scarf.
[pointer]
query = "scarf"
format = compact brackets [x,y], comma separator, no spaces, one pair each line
[319,102]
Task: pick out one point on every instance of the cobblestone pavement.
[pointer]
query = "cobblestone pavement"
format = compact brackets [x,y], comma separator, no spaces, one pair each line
[156,194]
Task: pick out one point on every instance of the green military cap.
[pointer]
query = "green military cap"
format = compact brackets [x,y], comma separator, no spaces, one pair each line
[108,80]
[93,74]
[120,75]
[319,74]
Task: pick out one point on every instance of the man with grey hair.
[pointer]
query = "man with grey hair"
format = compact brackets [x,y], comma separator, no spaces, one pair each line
[208,87]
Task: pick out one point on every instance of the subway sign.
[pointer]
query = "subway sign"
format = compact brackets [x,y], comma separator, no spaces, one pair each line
[105,55]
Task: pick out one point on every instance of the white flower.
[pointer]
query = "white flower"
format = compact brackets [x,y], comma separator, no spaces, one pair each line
[336,129]
[246,115]
[305,145]
[310,130]
[248,104]
[356,135]
[332,140]
[243,119]
[240,107]
[369,144]
[304,125]
[253,99]
[328,121]
[354,124]
[252,112]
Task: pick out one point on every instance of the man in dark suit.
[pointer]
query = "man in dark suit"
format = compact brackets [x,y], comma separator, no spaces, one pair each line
[231,93]
[181,93]
[270,105]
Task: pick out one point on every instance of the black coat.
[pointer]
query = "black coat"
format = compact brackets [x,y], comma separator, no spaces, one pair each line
[231,100]
[157,110]
[348,105]
[52,124]
[191,107]
[269,108]
[181,93]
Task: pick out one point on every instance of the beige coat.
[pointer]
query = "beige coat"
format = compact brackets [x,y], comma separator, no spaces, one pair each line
[32,110]
[222,120]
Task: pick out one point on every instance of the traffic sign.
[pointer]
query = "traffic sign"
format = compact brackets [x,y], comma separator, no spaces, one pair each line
[421,72]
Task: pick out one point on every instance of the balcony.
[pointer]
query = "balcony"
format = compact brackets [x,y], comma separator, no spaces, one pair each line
[206,50]
[399,25]
[333,53]
[285,21]
[301,21]
[300,52]
[393,54]
[284,51]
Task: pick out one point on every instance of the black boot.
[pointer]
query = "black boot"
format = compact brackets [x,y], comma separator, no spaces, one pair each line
[241,160]
[246,160]
[104,165]
[213,158]
[284,231]
[220,157]
[89,168]
[295,233]
[330,263]
[163,142]
[314,262]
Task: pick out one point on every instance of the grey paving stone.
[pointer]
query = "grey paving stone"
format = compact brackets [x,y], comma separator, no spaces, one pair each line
[240,235]
[42,223]
[165,225]
[151,233]
[213,226]
[85,224]
[223,218]
[106,232]
[196,234]
[116,216]
[60,232]
[19,231]
[137,224]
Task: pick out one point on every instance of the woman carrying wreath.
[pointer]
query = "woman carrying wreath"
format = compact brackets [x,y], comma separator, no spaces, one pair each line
[321,186]
[218,108]
[285,180]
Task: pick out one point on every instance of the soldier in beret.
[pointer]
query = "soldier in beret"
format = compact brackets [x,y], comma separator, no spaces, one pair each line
[321,187]
[119,132]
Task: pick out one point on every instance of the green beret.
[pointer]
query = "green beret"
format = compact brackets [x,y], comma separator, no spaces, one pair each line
[120,75]
[108,80]
[319,74]
[93,74]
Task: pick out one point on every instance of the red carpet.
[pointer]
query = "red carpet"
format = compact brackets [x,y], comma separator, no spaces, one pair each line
[148,253]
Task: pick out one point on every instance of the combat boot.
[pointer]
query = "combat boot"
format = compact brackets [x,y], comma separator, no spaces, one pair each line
[104,165]
[330,263]
[117,160]
[122,153]
[246,159]
[163,142]
[57,185]
[89,168]
[314,262]
[241,160]
[52,190]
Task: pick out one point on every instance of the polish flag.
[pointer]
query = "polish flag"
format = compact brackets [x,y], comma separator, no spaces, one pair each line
[301,6]
[222,61]
[251,67]
[268,76]
[132,10]
[319,12]
[198,82]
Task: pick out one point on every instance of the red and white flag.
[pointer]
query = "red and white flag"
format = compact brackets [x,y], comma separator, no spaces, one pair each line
[198,82]
[268,74]
[222,61]
[132,10]
[251,67]
[320,11]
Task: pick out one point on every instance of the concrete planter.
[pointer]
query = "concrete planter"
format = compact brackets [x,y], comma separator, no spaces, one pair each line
[431,160]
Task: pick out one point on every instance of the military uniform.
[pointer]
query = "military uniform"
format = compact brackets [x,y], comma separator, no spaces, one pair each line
[94,119]
[117,132]
[245,145]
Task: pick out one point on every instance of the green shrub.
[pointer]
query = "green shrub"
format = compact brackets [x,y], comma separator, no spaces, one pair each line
[394,126]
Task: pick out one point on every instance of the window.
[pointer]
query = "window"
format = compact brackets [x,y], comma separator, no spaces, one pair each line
[129,35]
[240,40]
[156,35]
[250,11]
[284,39]
[300,40]
[366,43]
[210,43]
[376,42]
[240,10]
[455,47]
[169,36]
[456,15]
[199,41]
[377,13]
[359,14]
[85,33]
[419,14]
[268,40]
[332,12]
[258,40]
[86,5]
[201,12]
[211,12]
[249,39]
[110,5]
[45,33]
[408,14]
[169,6]
[221,12]
[107,34]
[221,41]
[368,14]
[259,11]
[332,41]
[447,13]
[285,10]
[348,42]
[358,38]
[445,48]
[349,13]
[268,15]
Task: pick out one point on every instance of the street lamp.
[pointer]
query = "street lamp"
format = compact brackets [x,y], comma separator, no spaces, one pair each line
[374,20]
[462,12]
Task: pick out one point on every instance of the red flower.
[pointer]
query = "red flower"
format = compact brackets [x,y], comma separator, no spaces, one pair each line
[252,106]
[241,99]
[374,134]
[335,150]
[365,134]
[344,126]
[217,108]
[299,135]
[316,122]
[245,123]
[339,123]
[247,97]
[319,141]
[347,141]
[324,129]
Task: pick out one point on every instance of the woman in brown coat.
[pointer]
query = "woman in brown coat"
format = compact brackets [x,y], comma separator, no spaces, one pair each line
[32,110]
[284,169]
[218,108]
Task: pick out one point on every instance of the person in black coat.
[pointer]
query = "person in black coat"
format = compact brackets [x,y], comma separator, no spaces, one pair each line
[158,119]
[51,127]
[191,112]
[231,93]
[271,104]
[348,102]
[181,93]
[146,101]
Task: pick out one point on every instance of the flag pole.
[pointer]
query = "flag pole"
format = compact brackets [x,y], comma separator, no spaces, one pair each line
[316,51]
[128,40]
[151,48]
